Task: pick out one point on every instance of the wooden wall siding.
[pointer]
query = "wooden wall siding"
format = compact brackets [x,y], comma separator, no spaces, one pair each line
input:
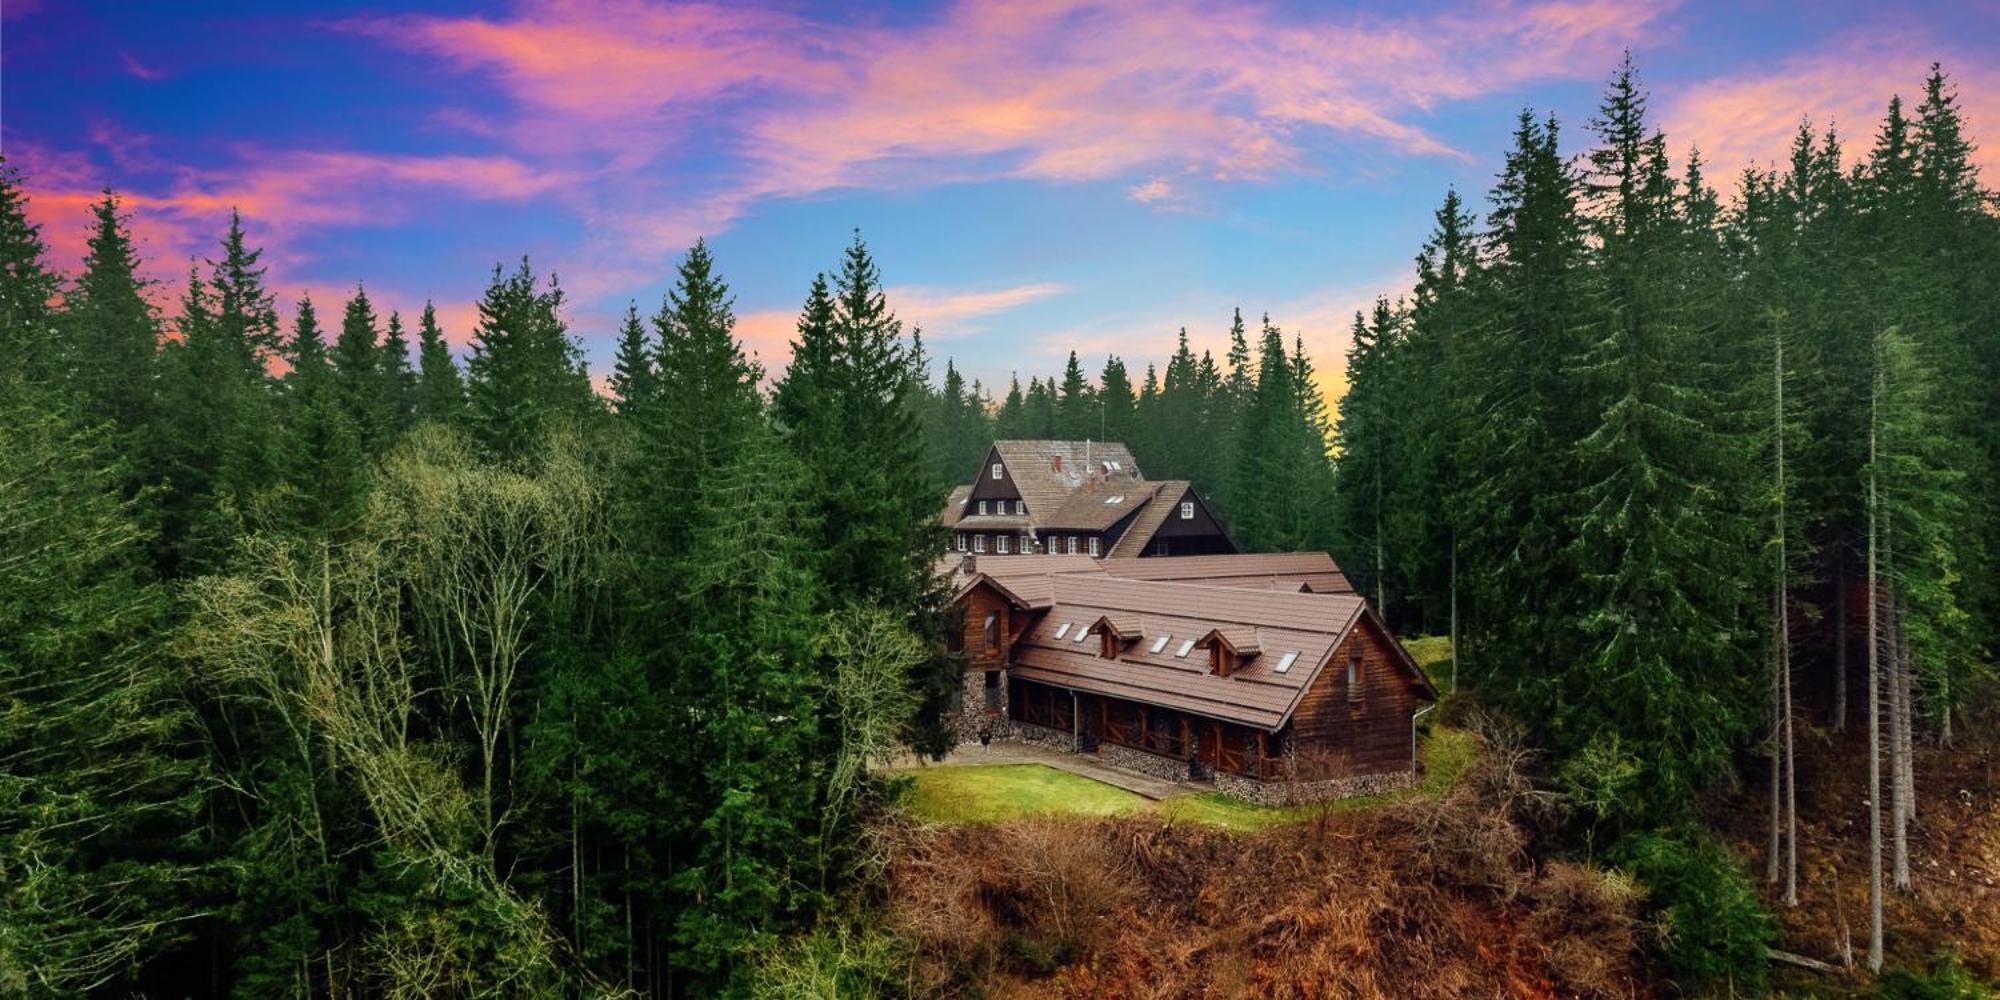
[988,488]
[1337,735]
[978,656]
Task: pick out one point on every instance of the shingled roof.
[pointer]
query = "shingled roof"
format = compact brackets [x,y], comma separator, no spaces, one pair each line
[1048,472]
[1140,532]
[1261,570]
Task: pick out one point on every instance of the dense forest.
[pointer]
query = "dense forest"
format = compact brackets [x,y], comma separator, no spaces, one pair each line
[332,663]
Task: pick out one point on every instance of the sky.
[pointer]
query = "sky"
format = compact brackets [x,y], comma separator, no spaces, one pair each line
[1033,178]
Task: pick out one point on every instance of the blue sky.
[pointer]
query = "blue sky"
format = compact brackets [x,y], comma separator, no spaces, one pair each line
[1032,177]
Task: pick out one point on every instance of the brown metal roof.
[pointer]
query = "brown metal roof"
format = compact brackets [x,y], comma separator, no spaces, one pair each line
[1255,694]
[1262,570]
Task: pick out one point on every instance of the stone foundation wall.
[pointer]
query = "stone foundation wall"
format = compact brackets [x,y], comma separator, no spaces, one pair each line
[1154,765]
[1054,739]
[972,712]
[1291,793]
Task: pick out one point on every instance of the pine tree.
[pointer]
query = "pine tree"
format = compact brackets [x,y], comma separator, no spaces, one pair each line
[114,333]
[1367,446]
[1077,415]
[525,375]
[1011,423]
[27,287]
[1116,407]
[851,393]
[399,381]
[323,448]
[357,370]
[440,388]
[633,377]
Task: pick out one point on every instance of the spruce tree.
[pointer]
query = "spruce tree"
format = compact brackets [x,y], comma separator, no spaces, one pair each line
[1077,415]
[440,387]
[633,374]
[1116,407]
[357,369]
[114,333]
[27,287]
[399,380]
[525,375]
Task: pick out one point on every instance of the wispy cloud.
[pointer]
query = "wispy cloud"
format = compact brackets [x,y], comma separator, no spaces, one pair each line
[943,313]
[1056,90]
[1751,118]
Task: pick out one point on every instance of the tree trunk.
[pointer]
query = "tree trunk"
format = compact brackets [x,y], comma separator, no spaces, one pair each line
[1874,706]
[1840,642]
[1899,756]
[1775,845]
[1457,655]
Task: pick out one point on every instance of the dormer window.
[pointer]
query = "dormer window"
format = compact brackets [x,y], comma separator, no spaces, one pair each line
[996,470]
[1187,510]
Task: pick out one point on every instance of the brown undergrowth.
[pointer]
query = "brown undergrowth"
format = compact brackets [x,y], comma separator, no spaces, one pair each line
[1954,904]
[1428,898]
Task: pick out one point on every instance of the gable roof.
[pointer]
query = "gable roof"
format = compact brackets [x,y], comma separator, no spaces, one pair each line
[1140,534]
[1047,472]
[1255,694]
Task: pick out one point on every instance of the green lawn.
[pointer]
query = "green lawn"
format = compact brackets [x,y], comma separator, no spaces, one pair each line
[987,793]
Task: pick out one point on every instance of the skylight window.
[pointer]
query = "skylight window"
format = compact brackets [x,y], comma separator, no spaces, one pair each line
[1286,663]
[1082,633]
[1062,630]
[1187,645]
[1160,643]
[1108,501]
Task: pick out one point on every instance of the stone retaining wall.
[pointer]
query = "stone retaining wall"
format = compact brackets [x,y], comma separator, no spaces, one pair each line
[972,712]
[1055,739]
[1291,793]
[1154,765]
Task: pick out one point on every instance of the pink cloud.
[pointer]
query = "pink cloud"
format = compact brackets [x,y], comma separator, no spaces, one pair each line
[942,313]
[1751,119]
[1058,90]
[139,69]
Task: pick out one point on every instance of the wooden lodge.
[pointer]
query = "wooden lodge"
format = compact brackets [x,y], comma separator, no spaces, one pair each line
[1264,674]
[1077,498]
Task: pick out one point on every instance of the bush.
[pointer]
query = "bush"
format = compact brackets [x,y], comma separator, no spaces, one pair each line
[1709,926]
[835,961]
[1946,980]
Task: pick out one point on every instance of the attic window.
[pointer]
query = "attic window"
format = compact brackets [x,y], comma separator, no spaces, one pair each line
[1160,643]
[982,508]
[1082,633]
[1187,510]
[996,470]
[1285,663]
[1062,630]
[1187,645]
[1020,506]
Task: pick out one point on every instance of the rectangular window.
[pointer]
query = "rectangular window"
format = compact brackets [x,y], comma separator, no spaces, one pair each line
[996,470]
[979,543]
[1093,545]
[1001,544]
[1187,510]
[1160,643]
[992,690]
[992,630]
[961,541]
[1286,663]
[1186,646]
[982,508]
[1073,547]
[1020,506]
[1354,677]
